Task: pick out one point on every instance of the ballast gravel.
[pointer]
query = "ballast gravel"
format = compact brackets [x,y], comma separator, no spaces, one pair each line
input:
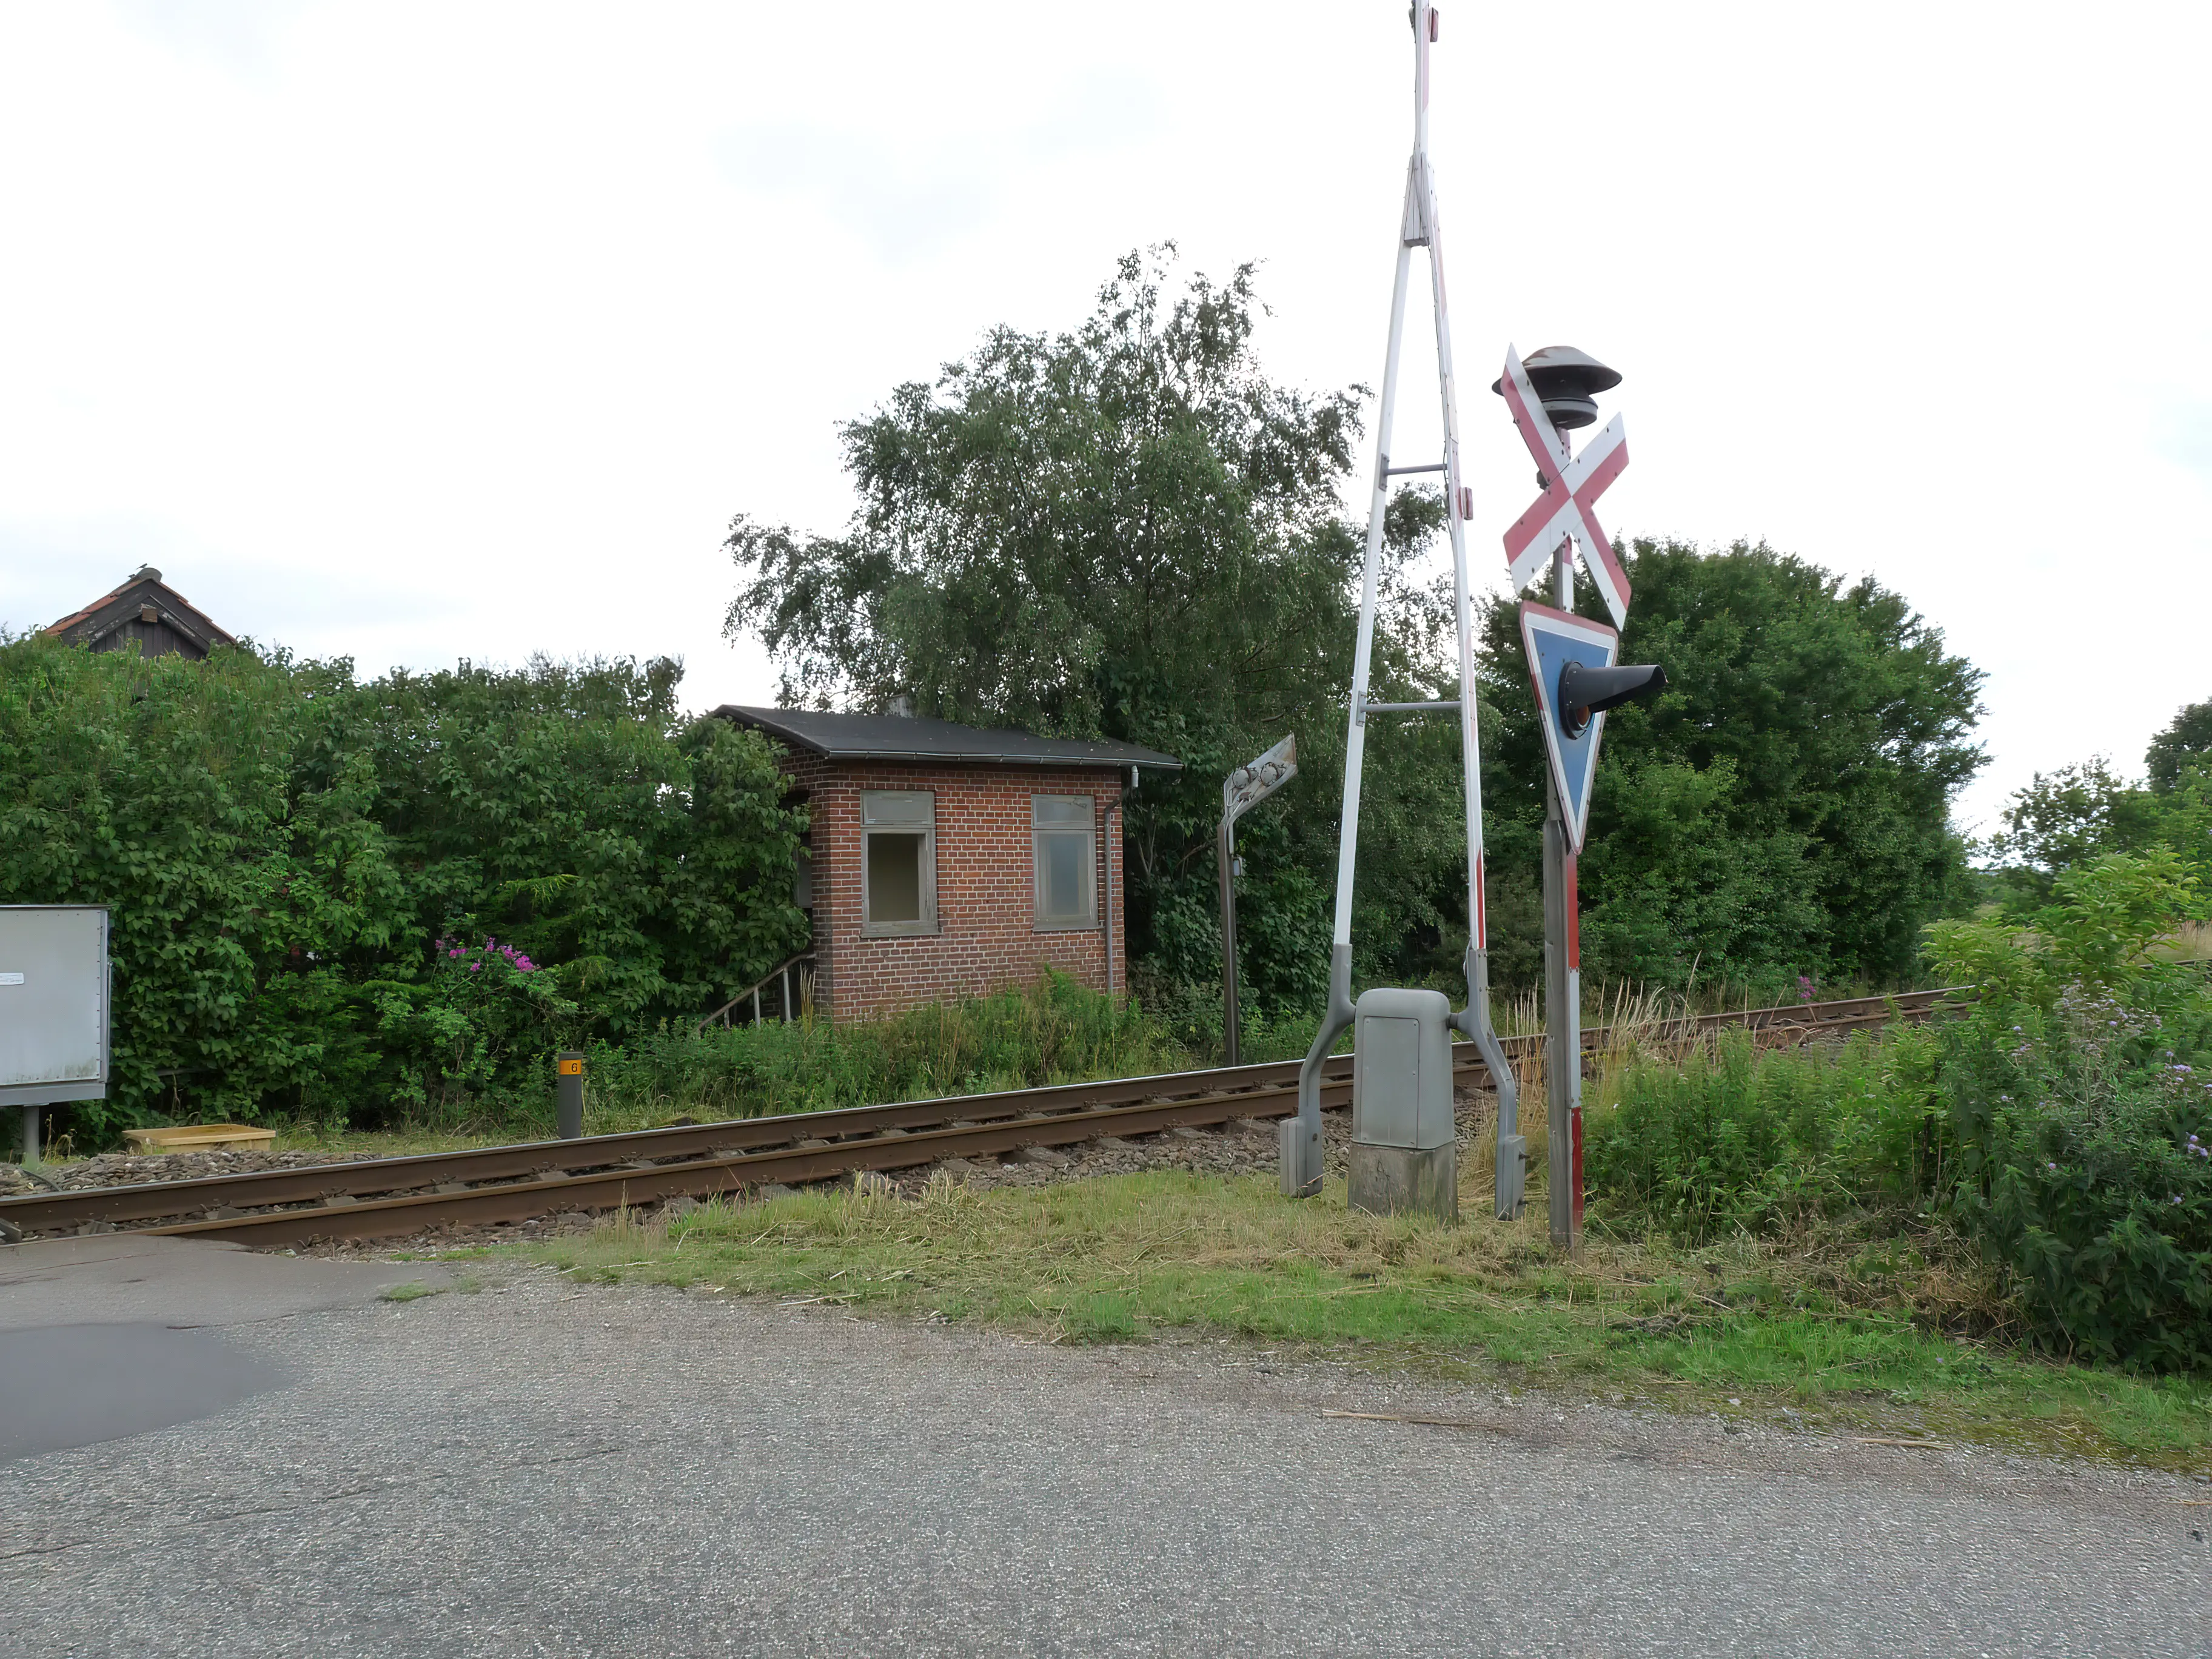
[133,1168]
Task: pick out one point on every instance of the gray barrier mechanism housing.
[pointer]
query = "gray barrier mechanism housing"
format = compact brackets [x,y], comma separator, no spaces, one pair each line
[1405,1148]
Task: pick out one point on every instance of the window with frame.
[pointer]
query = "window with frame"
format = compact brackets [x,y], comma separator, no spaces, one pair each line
[898,861]
[1063,831]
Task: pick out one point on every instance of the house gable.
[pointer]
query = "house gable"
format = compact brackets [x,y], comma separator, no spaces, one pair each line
[146,610]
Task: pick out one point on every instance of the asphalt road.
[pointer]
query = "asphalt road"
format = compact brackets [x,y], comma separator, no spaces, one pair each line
[539,1468]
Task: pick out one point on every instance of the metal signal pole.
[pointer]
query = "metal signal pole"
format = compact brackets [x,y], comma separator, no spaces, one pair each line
[1241,791]
[1418,226]
[1563,979]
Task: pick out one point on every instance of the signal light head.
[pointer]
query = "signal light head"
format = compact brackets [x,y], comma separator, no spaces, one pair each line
[1585,692]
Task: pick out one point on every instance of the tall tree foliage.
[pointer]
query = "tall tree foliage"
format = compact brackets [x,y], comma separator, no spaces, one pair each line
[2066,820]
[1126,532]
[1783,808]
[1129,532]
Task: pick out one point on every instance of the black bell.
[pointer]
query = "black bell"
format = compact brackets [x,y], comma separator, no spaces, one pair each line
[1567,382]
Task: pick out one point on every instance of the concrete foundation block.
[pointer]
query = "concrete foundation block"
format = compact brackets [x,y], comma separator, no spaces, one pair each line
[1398,1181]
[1298,1158]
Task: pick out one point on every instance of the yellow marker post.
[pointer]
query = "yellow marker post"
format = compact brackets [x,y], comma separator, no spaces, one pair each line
[568,1094]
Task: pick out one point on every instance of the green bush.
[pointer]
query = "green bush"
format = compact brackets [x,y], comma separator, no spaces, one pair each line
[288,856]
[475,1024]
[2083,1127]
[2064,1119]
[2098,1195]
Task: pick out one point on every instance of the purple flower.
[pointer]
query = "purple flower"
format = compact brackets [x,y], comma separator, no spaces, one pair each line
[475,967]
[2051,1166]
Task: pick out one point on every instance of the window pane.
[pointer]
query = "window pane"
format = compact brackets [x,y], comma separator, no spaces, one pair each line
[916,806]
[1057,811]
[894,877]
[1061,871]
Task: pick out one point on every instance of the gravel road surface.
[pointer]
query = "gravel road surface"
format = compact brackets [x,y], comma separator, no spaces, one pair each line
[539,1468]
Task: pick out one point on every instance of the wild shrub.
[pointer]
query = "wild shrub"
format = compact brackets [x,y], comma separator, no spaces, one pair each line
[2082,1118]
[478,1022]
[1054,1031]
[289,857]
[1730,1136]
[2063,1120]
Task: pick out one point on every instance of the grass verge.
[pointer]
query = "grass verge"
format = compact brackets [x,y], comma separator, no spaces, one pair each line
[1724,1329]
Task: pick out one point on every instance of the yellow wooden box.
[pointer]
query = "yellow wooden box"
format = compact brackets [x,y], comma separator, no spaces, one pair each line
[198,1137]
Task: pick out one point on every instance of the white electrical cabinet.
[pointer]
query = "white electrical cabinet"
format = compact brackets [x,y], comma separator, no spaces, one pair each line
[53,1003]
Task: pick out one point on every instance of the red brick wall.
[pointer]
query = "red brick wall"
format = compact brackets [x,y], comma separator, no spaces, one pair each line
[986,935]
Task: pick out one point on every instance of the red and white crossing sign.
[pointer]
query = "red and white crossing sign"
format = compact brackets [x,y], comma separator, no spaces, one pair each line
[1572,484]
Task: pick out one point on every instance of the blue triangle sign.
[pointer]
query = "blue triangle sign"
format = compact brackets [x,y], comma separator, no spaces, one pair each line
[1554,639]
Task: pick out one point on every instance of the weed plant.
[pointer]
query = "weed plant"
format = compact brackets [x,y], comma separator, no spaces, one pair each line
[1056,1032]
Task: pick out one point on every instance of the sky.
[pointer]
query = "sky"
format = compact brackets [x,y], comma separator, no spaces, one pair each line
[416,333]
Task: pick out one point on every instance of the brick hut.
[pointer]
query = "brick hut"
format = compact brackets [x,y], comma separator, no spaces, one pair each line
[147,609]
[947,860]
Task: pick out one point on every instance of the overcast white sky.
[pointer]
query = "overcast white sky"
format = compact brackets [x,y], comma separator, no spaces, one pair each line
[413,333]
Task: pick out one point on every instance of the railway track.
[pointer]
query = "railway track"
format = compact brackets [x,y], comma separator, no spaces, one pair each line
[400,1196]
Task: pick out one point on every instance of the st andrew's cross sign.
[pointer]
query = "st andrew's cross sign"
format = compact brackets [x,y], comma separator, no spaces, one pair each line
[1571,485]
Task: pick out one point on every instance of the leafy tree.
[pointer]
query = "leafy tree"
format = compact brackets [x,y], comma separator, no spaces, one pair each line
[1783,808]
[163,789]
[2186,743]
[574,812]
[2067,820]
[1129,532]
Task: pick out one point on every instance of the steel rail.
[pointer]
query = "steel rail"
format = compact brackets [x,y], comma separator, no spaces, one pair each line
[314,1182]
[534,1178]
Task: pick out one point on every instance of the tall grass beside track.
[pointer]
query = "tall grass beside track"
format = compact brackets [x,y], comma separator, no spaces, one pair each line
[1054,1031]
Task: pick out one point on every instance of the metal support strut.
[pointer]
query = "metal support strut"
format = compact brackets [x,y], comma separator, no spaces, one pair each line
[1300,1147]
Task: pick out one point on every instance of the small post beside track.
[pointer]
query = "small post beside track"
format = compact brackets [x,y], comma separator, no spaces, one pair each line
[569,1095]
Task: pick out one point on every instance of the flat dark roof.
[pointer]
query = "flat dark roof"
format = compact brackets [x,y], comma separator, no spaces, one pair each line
[902,737]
